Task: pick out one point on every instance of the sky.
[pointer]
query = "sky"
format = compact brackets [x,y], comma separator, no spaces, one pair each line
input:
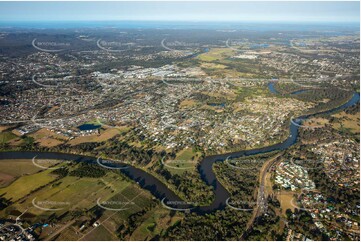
[285,11]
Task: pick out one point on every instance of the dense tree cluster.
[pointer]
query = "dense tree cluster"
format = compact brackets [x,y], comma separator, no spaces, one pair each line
[188,184]
[88,170]
[225,224]
[61,172]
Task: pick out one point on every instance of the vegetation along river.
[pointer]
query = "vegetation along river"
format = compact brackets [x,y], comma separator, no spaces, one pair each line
[161,191]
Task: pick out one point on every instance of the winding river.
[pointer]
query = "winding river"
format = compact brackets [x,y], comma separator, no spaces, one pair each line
[161,191]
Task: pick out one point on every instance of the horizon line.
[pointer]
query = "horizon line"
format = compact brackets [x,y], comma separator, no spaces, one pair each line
[183,21]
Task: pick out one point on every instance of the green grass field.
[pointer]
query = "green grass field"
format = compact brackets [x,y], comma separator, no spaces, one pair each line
[25,184]
[18,168]
[183,161]
[6,137]
[110,220]
[157,220]
[75,194]
[186,154]
[10,170]
[72,193]
[216,54]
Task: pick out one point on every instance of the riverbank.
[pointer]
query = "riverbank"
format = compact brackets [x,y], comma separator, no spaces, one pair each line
[159,189]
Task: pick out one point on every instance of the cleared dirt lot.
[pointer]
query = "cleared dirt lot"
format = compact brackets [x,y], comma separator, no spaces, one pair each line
[103,136]
[46,138]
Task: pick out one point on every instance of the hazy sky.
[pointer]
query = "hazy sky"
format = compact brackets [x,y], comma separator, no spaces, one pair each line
[182,11]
